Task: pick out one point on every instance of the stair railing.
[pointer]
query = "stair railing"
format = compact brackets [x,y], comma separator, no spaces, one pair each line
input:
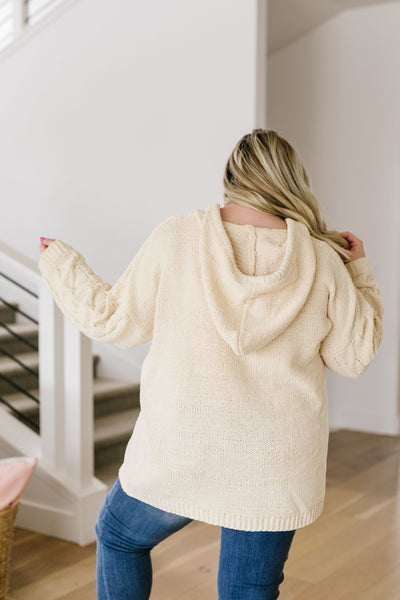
[13,333]
[64,439]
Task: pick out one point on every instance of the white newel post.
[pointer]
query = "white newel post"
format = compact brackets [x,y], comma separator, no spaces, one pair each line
[66,432]
[78,386]
[51,384]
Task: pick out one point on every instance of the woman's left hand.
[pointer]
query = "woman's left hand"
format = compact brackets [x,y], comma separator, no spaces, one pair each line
[44,242]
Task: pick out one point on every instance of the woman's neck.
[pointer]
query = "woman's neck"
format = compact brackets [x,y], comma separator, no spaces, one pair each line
[244,215]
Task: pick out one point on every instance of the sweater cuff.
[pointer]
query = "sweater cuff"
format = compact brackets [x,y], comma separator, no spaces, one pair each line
[53,255]
[358,266]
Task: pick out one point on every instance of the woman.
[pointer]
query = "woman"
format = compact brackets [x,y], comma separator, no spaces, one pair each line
[245,306]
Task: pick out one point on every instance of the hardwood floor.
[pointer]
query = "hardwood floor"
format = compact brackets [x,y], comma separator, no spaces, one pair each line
[351,552]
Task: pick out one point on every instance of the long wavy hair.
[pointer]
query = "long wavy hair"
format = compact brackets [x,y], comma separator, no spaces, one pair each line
[265,172]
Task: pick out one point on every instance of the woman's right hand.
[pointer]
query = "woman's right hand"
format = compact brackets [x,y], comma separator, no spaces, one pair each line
[356,248]
[45,243]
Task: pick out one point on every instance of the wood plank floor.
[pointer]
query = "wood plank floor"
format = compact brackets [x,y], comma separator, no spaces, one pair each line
[351,552]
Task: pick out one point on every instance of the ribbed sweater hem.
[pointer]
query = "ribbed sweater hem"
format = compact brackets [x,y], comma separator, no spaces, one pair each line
[359,265]
[225,519]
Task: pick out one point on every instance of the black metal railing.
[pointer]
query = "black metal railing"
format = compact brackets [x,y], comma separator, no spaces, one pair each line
[8,327]
[17,336]
[14,282]
[21,416]
[15,359]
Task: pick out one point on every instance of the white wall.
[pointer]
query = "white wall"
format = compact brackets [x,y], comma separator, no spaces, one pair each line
[117,115]
[335,95]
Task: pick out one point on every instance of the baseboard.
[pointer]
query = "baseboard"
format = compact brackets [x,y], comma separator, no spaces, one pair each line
[368,422]
[51,506]
[76,524]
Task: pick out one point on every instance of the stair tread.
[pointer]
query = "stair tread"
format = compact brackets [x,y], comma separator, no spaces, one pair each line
[22,403]
[4,305]
[105,385]
[101,387]
[108,428]
[30,359]
[20,328]
[108,473]
[117,426]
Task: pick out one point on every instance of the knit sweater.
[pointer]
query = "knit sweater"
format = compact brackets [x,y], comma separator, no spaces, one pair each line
[233,422]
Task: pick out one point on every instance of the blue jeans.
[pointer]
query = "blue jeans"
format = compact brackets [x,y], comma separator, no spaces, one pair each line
[250,562]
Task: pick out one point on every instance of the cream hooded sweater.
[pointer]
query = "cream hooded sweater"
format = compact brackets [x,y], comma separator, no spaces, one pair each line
[233,427]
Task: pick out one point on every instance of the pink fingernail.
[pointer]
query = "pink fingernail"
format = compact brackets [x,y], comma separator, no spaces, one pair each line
[42,238]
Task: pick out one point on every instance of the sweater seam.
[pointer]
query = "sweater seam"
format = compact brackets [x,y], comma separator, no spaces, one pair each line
[143,334]
[356,268]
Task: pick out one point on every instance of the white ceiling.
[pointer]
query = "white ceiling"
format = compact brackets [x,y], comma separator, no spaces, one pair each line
[289,20]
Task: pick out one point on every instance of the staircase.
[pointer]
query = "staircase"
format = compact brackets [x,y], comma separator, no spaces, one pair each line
[115,403]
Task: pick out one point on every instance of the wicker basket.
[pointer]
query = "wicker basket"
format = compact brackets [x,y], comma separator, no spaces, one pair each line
[7,519]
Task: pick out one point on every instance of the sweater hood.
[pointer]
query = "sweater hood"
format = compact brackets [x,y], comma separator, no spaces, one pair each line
[248,311]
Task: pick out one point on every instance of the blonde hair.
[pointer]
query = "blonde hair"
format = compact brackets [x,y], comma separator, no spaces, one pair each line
[265,172]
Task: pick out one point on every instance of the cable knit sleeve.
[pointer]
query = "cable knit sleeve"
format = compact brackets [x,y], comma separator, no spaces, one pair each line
[120,314]
[355,310]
